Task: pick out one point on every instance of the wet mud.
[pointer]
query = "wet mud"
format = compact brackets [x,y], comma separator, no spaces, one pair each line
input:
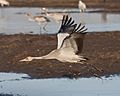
[108,4]
[101,48]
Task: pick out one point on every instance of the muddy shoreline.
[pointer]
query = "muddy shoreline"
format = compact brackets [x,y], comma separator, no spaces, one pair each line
[112,5]
[101,48]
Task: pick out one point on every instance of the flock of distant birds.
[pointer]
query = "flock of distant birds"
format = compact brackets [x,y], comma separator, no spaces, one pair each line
[69,37]
[46,17]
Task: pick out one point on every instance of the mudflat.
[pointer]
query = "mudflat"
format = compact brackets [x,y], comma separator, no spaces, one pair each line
[110,4]
[101,48]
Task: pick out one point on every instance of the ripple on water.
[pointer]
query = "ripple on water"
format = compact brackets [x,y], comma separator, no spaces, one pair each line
[58,87]
[14,21]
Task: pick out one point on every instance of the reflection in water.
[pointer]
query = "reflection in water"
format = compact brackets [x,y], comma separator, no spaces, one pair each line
[12,76]
[15,21]
[1,13]
[60,87]
[104,17]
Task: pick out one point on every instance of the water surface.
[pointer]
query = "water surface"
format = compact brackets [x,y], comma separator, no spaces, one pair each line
[13,20]
[13,83]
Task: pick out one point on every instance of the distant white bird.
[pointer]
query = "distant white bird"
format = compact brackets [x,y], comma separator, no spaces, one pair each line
[70,43]
[39,19]
[81,6]
[4,2]
[55,16]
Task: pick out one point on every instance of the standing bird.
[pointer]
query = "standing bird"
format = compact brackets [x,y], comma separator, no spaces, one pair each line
[70,43]
[57,17]
[81,6]
[39,19]
[4,2]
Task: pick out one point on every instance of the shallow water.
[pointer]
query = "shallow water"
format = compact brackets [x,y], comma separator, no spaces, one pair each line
[20,85]
[13,20]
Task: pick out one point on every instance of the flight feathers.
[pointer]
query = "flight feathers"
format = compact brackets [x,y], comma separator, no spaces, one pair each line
[68,26]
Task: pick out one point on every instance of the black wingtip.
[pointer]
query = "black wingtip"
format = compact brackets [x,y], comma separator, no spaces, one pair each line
[64,20]
[67,24]
[81,29]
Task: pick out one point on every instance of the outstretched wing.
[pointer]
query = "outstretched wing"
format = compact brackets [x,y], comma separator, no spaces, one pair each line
[66,28]
[67,25]
[74,42]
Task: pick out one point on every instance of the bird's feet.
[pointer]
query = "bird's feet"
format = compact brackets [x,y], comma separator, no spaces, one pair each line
[27,59]
[82,58]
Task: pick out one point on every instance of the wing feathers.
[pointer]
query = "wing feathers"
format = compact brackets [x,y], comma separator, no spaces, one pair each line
[77,27]
[63,20]
[71,23]
[66,20]
[67,24]
[74,41]
[83,31]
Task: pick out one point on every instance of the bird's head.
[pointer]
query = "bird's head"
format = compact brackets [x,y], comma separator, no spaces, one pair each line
[28,14]
[80,1]
[44,9]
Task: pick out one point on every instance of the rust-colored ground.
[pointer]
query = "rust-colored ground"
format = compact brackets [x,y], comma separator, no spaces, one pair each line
[107,4]
[102,50]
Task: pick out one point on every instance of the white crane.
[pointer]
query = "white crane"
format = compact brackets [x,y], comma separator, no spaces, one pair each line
[4,2]
[70,43]
[81,6]
[57,17]
[39,19]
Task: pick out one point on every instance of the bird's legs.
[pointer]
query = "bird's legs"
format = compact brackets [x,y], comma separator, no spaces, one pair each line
[44,27]
[40,28]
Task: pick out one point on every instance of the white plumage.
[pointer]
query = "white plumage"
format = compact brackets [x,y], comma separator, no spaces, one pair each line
[4,2]
[70,43]
[55,16]
[81,6]
[39,19]
[61,37]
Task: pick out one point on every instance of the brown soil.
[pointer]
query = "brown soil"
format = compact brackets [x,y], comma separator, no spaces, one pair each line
[102,50]
[107,4]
